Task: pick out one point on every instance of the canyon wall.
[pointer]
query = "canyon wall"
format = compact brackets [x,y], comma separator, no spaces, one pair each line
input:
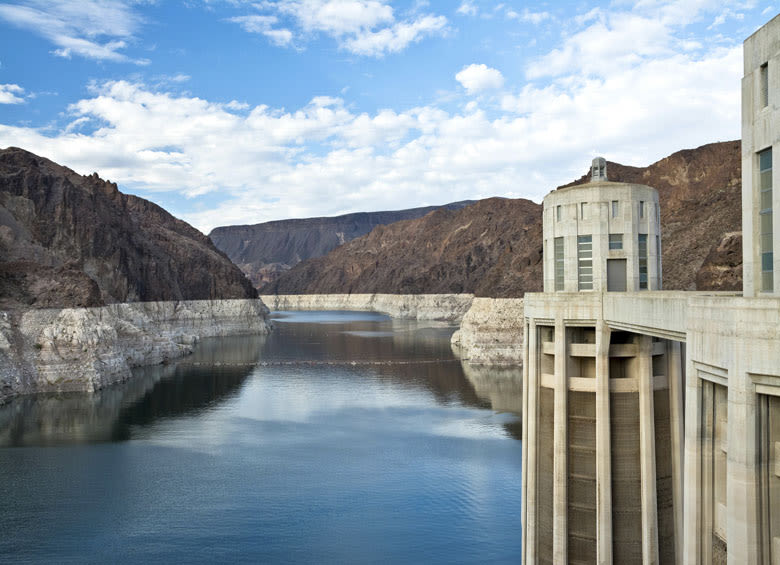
[444,307]
[85,349]
[491,332]
[266,251]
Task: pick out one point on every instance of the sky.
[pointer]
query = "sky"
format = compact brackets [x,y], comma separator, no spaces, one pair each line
[237,112]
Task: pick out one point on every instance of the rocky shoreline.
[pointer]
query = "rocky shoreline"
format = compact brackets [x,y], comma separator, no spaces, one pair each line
[491,332]
[441,307]
[86,349]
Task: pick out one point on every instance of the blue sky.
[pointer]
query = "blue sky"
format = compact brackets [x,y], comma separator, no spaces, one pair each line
[227,112]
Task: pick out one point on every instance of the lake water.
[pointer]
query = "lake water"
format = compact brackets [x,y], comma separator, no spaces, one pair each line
[339,438]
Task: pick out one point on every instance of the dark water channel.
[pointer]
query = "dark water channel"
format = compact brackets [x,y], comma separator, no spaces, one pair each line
[339,438]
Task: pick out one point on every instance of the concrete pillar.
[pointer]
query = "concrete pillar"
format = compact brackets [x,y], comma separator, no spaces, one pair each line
[524,504]
[530,420]
[560,475]
[647,453]
[603,453]
[675,376]
[742,487]
[706,483]
[694,435]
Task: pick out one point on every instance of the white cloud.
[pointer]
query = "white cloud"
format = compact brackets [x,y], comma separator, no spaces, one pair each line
[11,94]
[337,17]
[260,163]
[362,27]
[395,38]
[264,25]
[95,29]
[477,78]
[528,16]
[467,8]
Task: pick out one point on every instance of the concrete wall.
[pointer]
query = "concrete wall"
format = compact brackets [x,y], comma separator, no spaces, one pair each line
[445,307]
[85,349]
[733,347]
[760,130]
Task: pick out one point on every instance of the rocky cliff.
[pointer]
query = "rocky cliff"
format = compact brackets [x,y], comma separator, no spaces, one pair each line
[490,247]
[72,240]
[265,251]
[442,307]
[493,248]
[86,349]
[491,332]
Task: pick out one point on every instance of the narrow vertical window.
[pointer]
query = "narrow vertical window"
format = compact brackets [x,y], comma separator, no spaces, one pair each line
[615,209]
[658,260]
[558,254]
[616,241]
[582,210]
[585,262]
[766,247]
[558,213]
[642,261]
[641,208]
[763,87]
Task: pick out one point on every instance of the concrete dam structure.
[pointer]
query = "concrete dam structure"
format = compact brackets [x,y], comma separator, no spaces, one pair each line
[651,419]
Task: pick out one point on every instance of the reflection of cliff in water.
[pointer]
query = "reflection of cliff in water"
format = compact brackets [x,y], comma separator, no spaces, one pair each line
[153,392]
[355,340]
[502,387]
[409,348]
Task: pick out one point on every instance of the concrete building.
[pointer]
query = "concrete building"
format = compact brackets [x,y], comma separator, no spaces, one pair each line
[651,419]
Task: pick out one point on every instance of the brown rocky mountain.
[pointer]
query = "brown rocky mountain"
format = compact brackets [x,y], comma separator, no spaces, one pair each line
[72,240]
[265,251]
[494,247]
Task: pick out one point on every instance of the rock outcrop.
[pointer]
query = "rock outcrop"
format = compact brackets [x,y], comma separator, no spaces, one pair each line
[442,307]
[265,251]
[493,248]
[85,349]
[69,240]
[491,332]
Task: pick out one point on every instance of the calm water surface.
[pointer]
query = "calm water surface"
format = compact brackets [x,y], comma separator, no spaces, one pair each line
[339,438]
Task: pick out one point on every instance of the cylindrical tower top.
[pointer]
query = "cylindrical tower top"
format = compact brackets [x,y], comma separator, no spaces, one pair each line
[602,236]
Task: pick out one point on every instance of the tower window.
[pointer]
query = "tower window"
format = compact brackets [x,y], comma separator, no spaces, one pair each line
[582,210]
[615,208]
[642,261]
[641,208]
[558,213]
[765,218]
[763,88]
[585,262]
[558,254]
[616,241]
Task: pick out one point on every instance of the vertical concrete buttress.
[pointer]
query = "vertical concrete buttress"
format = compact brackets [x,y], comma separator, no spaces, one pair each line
[529,550]
[524,502]
[560,470]
[676,384]
[647,453]
[603,453]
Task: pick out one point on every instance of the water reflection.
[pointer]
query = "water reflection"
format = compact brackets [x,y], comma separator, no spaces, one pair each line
[160,391]
[252,450]
[502,387]
[402,354]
